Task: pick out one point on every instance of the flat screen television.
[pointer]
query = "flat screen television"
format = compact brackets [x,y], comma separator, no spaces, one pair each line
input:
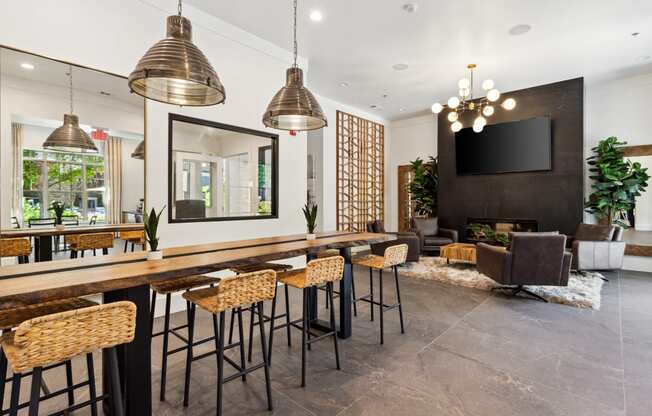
[517,146]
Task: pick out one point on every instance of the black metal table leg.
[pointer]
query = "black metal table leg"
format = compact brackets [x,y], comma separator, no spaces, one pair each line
[134,359]
[43,248]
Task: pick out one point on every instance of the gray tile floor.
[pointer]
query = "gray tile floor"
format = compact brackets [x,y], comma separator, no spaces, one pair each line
[465,352]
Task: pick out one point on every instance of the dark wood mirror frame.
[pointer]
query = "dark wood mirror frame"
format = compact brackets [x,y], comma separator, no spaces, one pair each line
[237,129]
[638,249]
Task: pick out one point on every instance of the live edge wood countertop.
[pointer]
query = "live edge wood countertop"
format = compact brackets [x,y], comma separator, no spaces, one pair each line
[31,283]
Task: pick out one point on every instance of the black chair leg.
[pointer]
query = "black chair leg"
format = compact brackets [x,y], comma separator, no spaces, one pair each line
[398,298]
[268,383]
[35,392]
[382,308]
[304,340]
[3,377]
[271,325]
[287,319]
[231,326]
[220,365]
[94,252]
[191,331]
[82,254]
[355,307]
[251,331]
[71,394]
[152,310]
[126,244]
[166,333]
[133,247]
[329,290]
[371,291]
[92,391]
[116,391]
[241,342]
[105,251]
[326,298]
[15,394]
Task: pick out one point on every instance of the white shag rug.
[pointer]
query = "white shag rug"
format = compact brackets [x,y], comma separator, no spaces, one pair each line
[583,290]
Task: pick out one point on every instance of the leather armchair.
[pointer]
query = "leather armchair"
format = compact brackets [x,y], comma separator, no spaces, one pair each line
[598,247]
[533,259]
[431,235]
[408,238]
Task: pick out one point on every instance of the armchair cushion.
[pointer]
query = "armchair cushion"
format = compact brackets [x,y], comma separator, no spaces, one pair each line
[437,241]
[452,234]
[427,226]
[494,262]
[598,255]
[594,232]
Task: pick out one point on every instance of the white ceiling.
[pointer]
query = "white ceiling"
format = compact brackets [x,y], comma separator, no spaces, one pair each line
[358,42]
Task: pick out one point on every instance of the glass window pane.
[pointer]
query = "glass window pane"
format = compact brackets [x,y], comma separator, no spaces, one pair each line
[95,205]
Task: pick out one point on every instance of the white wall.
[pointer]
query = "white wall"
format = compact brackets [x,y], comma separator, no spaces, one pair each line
[411,138]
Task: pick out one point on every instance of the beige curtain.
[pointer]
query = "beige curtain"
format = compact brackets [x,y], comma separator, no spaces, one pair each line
[113,179]
[17,171]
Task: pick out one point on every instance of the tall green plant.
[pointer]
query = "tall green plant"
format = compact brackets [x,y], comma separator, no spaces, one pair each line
[424,186]
[58,208]
[150,221]
[310,214]
[616,181]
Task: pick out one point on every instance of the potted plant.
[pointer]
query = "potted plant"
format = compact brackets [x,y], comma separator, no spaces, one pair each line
[616,182]
[310,213]
[424,186]
[58,208]
[151,228]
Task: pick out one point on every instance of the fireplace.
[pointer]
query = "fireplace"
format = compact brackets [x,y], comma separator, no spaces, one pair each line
[503,225]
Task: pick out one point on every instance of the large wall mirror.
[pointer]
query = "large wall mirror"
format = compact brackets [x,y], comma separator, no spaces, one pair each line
[107,186]
[639,234]
[220,172]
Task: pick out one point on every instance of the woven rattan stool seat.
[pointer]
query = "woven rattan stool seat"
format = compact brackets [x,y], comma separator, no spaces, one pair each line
[183,283]
[250,268]
[318,272]
[294,278]
[394,255]
[92,241]
[331,252]
[11,318]
[11,247]
[137,237]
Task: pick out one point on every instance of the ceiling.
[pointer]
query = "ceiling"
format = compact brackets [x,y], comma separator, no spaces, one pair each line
[359,41]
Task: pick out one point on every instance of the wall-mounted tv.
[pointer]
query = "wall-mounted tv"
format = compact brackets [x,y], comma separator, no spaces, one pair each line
[517,146]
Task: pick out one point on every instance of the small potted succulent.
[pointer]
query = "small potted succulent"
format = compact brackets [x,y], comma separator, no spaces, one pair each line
[151,228]
[58,208]
[310,213]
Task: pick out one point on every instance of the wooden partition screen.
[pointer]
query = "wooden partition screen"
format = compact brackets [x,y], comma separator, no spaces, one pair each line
[360,172]
[405,203]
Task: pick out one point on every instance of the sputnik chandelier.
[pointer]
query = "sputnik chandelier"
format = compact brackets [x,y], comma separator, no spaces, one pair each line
[464,102]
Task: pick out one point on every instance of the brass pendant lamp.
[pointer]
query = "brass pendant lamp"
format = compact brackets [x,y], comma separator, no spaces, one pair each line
[70,137]
[175,71]
[294,107]
[139,151]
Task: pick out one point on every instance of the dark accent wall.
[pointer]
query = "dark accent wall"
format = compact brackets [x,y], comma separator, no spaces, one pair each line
[553,198]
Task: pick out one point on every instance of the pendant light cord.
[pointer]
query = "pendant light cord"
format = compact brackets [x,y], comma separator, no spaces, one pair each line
[296,47]
[70,79]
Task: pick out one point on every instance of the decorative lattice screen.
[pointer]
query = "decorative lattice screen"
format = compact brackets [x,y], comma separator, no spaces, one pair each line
[405,203]
[360,172]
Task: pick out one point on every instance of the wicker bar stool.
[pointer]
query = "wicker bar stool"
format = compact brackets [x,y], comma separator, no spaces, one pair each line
[94,241]
[331,252]
[394,256]
[250,268]
[318,272]
[11,318]
[16,247]
[169,287]
[243,290]
[133,237]
[47,340]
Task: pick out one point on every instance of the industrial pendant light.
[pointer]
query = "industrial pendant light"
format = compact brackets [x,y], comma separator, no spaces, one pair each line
[294,107]
[139,151]
[175,71]
[70,137]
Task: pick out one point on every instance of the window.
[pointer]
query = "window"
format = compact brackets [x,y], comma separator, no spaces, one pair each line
[75,179]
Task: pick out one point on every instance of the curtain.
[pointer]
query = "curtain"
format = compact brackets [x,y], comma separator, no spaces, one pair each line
[113,180]
[17,171]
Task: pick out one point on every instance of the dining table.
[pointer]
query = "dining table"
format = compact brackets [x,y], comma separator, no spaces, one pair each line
[43,236]
[127,277]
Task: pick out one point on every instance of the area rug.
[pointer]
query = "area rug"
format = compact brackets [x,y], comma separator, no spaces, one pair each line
[583,290]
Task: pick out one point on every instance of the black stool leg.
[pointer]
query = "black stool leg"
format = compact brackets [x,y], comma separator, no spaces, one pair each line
[271,324]
[304,340]
[220,365]
[382,308]
[15,394]
[191,332]
[94,252]
[152,310]
[287,318]
[326,300]
[126,244]
[105,251]
[166,333]
[116,391]
[371,291]
[91,383]
[71,394]
[268,383]
[241,342]
[398,297]
[355,307]
[3,377]
[251,331]
[34,397]
[133,247]
[329,291]
[231,326]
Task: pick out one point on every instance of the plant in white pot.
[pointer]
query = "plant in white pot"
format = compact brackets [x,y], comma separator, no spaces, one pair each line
[151,227]
[310,213]
[58,208]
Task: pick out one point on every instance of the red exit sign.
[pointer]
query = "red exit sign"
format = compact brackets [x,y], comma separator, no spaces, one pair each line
[99,134]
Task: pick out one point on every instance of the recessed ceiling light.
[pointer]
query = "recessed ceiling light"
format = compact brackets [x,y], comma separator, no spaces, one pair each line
[316,16]
[376,107]
[384,96]
[401,109]
[27,65]
[344,84]
[520,30]
[410,7]
[634,34]
[105,93]
[400,67]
